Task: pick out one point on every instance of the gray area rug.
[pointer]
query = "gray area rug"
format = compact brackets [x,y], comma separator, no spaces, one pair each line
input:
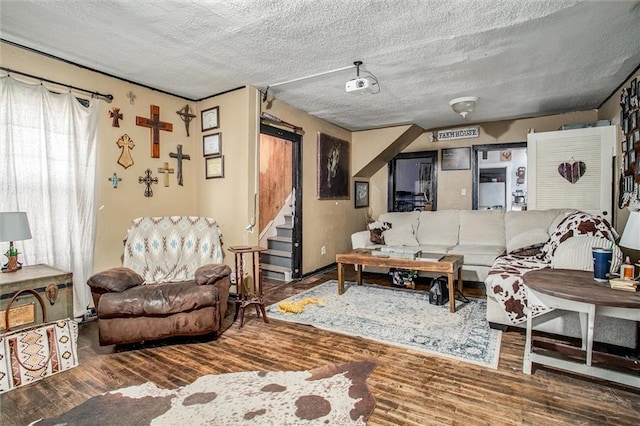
[400,317]
[328,395]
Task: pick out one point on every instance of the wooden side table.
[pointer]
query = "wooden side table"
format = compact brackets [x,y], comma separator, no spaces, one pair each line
[251,293]
[578,292]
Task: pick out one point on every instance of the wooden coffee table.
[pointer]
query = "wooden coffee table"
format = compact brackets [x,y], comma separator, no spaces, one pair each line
[450,265]
[577,291]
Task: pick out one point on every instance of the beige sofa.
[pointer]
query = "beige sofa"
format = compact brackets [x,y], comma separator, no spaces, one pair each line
[483,237]
[478,235]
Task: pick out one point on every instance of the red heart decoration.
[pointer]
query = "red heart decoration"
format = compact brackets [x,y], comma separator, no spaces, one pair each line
[572,171]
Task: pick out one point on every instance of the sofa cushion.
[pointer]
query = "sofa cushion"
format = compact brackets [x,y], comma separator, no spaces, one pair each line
[482,227]
[401,235]
[527,228]
[576,253]
[438,227]
[157,299]
[478,254]
[527,239]
[400,219]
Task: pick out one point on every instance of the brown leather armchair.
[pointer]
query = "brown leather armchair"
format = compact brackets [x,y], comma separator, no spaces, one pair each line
[172,282]
[130,311]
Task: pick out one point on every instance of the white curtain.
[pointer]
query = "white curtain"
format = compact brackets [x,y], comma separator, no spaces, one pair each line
[47,169]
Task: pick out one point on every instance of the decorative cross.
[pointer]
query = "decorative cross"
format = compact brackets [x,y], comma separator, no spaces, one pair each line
[115,115]
[155,125]
[132,97]
[186,116]
[114,180]
[148,180]
[180,156]
[127,145]
[167,171]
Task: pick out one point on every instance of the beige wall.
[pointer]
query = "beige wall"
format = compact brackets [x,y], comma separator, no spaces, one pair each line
[327,223]
[116,207]
[452,182]
[228,200]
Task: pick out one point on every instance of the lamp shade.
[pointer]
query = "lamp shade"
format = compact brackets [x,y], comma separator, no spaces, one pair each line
[631,235]
[14,226]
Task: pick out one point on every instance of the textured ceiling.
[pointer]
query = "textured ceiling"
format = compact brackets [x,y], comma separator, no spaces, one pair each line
[521,58]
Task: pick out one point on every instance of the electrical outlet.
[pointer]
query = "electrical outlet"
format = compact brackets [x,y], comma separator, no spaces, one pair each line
[323,250]
[463,191]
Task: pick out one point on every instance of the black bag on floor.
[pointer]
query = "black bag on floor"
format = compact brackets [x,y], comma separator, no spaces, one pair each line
[439,291]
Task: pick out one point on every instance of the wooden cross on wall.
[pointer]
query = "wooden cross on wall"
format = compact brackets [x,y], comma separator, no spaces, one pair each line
[180,156]
[115,116]
[166,171]
[148,180]
[155,125]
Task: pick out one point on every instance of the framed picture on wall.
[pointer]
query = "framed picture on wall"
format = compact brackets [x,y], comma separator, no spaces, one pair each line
[334,159]
[210,118]
[214,167]
[212,144]
[361,194]
[456,158]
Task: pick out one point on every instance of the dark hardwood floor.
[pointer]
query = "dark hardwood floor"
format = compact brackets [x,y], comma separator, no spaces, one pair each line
[411,388]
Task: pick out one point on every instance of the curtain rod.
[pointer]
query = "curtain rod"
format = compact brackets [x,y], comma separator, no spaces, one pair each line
[107,98]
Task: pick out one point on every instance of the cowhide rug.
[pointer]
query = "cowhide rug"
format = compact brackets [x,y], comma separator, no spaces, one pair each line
[328,395]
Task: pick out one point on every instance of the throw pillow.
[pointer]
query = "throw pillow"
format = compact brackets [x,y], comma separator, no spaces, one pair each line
[403,236]
[527,239]
[576,253]
[376,230]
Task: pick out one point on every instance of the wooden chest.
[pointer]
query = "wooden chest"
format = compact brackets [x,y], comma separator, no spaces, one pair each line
[55,287]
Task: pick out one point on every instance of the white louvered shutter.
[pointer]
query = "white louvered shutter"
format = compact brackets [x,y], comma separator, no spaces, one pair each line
[547,189]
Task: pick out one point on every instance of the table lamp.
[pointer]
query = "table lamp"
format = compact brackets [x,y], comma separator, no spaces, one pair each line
[14,226]
[631,234]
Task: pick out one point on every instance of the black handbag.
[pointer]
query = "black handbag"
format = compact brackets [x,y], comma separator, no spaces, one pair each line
[439,291]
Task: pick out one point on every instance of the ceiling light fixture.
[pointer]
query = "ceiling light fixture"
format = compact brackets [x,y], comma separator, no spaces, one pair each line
[464,105]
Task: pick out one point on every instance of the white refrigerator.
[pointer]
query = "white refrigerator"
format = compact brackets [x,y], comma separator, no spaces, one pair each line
[492,195]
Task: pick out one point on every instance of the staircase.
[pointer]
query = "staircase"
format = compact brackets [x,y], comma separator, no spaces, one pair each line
[276,262]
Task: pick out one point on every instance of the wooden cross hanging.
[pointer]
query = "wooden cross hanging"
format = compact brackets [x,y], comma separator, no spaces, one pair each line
[180,156]
[125,159]
[186,116]
[155,125]
[114,180]
[115,115]
[167,171]
[148,180]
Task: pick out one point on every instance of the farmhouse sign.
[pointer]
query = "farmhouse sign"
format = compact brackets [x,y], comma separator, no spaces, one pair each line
[451,134]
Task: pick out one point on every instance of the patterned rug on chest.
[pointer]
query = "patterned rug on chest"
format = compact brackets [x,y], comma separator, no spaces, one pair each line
[397,317]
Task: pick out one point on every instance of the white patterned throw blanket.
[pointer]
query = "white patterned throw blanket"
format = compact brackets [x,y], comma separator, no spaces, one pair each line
[505,276]
[171,248]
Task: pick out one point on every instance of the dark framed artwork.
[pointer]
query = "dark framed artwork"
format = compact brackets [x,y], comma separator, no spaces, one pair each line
[334,160]
[360,194]
[212,144]
[456,158]
[210,118]
[214,167]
